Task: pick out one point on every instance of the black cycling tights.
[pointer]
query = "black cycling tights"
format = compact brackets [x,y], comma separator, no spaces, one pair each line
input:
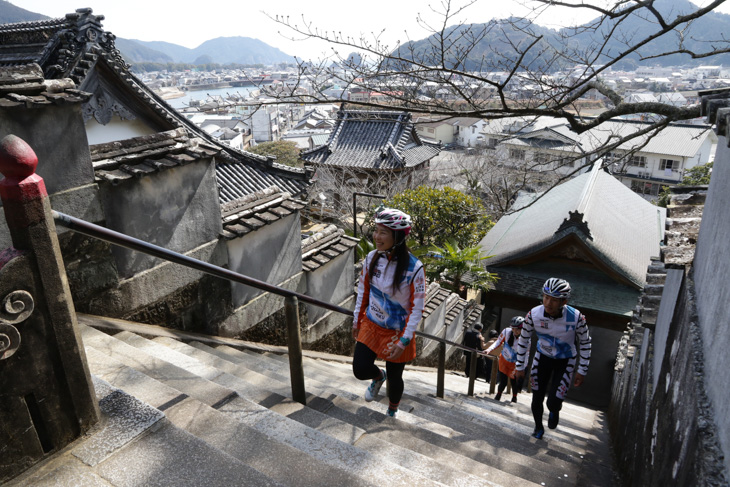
[549,377]
[364,368]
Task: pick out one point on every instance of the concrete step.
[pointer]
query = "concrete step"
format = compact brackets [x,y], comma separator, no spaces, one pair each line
[504,421]
[247,444]
[186,382]
[485,464]
[321,446]
[428,414]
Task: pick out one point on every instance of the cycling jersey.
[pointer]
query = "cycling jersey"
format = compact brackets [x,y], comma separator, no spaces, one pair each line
[508,351]
[556,337]
[375,297]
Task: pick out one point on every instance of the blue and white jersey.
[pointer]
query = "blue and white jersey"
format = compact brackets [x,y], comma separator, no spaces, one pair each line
[508,352]
[387,309]
[556,337]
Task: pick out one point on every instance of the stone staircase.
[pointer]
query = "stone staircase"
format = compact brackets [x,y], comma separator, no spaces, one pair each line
[188,414]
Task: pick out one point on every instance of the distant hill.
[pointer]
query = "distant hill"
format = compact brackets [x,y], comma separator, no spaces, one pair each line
[490,53]
[493,53]
[699,37]
[223,50]
[134,52]
[9,14]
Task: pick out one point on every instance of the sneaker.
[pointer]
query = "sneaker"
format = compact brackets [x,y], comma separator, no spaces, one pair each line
[553,420]
[372,391]
[392,412]
[498,396]
[538,433]
[514,398]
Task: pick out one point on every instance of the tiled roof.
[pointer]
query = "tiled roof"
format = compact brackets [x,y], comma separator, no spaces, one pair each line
[256,210]
[23,86]
[454,306]
[590,289]
[324,246]
[594,207]
[119,161]
[372,140]
[472,314]
[435,296]
[71,47]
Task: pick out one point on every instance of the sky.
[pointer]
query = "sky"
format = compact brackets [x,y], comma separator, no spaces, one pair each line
[190,23]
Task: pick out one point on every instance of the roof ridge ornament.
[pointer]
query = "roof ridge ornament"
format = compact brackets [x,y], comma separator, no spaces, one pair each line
[575,220]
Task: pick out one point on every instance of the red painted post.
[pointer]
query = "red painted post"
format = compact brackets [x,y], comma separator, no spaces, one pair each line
[20,188]
[47,399]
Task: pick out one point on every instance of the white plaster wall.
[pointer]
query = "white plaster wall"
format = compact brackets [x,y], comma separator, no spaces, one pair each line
[177,209]
[271,254]
[711,271]
[117,129]
[332,282]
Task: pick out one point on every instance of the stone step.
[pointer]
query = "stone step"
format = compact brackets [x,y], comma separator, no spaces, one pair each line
[449,425]
[424,382]
[245,443]
[186,382]
[487,464]
[258,393]
[518,422]
[323,447]
[447,475]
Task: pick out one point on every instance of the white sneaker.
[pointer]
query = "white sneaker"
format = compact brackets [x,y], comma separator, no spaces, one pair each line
[372,391]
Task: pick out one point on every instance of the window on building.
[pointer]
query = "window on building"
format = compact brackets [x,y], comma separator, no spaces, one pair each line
[567,162]
[517,154]
[492,143]
[541,158]
[669,164]
[637,161]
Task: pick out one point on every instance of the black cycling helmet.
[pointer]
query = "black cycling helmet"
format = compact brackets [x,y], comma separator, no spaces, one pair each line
[516,322]
[557,288]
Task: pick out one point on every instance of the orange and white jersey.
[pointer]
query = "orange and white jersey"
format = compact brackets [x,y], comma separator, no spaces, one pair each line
[397,310]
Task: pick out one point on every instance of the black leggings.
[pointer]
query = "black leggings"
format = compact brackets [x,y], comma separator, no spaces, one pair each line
[364,368]
[555,374]
[516,384]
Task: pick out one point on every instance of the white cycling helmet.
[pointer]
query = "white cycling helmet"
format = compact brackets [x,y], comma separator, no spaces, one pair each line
[557,288]
[517,322]
[394,219]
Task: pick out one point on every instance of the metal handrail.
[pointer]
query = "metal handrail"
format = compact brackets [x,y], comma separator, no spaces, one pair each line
[122,240]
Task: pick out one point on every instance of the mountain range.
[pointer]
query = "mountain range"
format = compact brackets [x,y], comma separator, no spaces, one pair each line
[702,35]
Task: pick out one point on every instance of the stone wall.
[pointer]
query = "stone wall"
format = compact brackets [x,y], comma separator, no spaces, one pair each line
[669,411]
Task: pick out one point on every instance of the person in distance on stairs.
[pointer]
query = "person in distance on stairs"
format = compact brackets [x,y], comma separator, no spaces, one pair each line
[390,294]
[562,339]
[475,339]
[507,339]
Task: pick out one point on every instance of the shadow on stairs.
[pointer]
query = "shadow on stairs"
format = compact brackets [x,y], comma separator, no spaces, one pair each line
[188,414]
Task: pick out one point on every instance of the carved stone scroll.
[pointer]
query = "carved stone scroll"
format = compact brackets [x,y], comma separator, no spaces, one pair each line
[15,308]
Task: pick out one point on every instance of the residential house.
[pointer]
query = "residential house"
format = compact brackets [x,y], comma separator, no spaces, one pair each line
[441,131]
[577,231]
[469,132]
[645,163]
[674,99]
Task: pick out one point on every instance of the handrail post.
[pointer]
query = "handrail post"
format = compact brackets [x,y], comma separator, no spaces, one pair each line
[472,373]
[294,340]
[493,376]
[440,378]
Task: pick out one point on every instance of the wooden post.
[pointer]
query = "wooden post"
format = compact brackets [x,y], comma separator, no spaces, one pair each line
[493,375]
[47,399]
[472,373]
[294,340]
[441,376]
